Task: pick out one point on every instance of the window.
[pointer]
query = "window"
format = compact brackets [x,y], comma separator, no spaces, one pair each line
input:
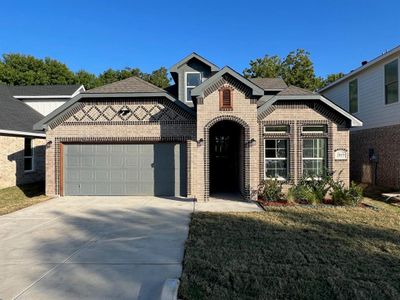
[353,96]
[314,157]
[28,155]
[314,129]
[391,82]
[276,159]
[193,79]
[225,98]
[276,129]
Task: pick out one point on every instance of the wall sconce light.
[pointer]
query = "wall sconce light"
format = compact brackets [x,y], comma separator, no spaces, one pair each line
[251,142]
[200,142]
[48,144]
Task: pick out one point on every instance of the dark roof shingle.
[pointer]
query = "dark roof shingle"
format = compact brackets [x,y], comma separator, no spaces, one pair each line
[43,90]
[294,91]
[269,83]
[15,115]
[128,85]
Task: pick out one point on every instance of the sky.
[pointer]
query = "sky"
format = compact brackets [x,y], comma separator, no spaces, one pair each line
[97,35]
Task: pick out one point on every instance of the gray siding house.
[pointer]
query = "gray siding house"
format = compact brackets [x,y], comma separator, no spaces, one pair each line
[371,93]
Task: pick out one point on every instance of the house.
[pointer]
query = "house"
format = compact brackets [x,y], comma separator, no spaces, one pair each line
[371,93]
[22,150]
[213,131]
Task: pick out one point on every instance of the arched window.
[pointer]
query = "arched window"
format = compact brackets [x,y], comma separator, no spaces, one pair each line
[225,99]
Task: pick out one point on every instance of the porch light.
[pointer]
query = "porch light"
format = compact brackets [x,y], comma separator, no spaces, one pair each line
[48,144]
[252,142]
[200,142]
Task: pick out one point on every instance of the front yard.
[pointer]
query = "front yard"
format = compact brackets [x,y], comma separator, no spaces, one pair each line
[294,253]
[17,197]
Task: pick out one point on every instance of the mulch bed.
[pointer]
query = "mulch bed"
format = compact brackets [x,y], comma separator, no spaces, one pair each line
[325,203]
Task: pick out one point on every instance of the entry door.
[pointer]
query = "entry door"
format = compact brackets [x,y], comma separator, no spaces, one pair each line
[125,169]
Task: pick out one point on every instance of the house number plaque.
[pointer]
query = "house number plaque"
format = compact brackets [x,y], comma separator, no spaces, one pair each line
[340,154]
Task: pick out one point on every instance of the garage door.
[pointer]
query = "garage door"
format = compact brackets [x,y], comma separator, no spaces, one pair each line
[131,169]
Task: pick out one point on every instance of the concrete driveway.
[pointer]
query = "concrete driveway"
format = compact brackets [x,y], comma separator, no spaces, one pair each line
[93,247]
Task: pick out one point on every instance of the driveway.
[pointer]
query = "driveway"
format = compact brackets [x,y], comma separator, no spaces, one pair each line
[93,247]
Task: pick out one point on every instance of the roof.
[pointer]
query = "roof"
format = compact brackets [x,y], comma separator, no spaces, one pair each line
[198,90]
[174,68]
[269,84]
[44,90]
[294,90]
[304,95]
[16,117]
[128,85]
[363,67]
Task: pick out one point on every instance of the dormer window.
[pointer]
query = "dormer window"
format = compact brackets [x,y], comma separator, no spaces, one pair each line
[225,99]
[192,80]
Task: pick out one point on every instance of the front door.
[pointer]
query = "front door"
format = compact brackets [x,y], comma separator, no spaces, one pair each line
[224,157]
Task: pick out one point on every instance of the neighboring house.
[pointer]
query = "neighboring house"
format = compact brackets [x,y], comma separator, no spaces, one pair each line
[22,149]
[213,131]
[45,98]
[371,93]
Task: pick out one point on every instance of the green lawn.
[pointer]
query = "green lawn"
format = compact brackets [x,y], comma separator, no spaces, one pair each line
[294,253]
[17,197]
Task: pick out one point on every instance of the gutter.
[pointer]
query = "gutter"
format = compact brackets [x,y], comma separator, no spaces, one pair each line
[22,133]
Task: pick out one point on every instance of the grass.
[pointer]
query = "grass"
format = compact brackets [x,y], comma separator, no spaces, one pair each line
[294,253]
[17,197]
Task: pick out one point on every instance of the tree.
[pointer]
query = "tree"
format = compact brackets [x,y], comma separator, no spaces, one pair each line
[298,69]
[295,69]
[159,78]
[19,69]
[266,67]
[89,80]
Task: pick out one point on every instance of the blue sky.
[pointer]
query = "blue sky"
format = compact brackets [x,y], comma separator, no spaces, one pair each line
[96,35]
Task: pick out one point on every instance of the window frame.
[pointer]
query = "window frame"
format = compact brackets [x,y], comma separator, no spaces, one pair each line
[191,86]
[325,164]
[324,131]
[396,61]
[356,93]
[31,157]
[284,179]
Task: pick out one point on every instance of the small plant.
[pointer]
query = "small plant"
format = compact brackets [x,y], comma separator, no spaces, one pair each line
[311,189]
[270,189]
[341,195]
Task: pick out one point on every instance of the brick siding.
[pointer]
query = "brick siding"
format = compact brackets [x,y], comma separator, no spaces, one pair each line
[12,161]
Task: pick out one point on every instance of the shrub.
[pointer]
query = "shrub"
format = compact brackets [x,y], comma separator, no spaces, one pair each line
[341,195]
[311,189]
[270,189]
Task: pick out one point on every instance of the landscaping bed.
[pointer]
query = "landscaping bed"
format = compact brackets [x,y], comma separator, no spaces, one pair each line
[294,252]
[17,197]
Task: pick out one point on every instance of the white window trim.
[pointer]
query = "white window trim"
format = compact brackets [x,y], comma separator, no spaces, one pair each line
[276,132]
[276,158]
[313,158]
[31,157]
[190,86]
[314,132]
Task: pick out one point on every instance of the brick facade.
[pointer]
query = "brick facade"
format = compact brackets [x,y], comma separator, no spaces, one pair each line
[12,161]
[386,146]
[298,114]
[155,120]
[99,122]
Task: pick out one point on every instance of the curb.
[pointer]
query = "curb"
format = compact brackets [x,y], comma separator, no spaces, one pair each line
[169,290]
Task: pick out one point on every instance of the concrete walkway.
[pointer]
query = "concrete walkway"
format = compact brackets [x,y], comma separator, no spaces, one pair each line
[93,248]
[98,247]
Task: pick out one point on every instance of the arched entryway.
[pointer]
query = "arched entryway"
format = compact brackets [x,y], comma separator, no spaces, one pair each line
[226,157]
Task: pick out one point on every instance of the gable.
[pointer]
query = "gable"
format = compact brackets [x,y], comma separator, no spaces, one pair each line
[123,112]
[302,110]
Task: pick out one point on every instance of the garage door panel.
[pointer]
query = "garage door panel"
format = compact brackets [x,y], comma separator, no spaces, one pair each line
[130,169]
